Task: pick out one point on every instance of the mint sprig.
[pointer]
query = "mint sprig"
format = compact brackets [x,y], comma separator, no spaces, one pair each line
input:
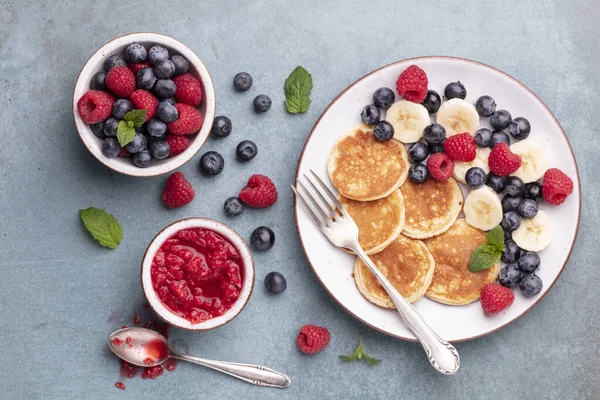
[359,354]
[102,226]
[488,254]
[297,89]
[126,128]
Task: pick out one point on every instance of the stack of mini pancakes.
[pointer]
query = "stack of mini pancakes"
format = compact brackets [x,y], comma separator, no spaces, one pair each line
[412,232]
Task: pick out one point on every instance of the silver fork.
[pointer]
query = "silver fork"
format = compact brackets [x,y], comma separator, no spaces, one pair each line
[342,231]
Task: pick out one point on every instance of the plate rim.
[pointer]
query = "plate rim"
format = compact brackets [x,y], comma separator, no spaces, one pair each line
[478,63]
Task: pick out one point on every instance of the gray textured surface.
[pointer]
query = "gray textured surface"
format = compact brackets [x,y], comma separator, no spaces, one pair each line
[58,287]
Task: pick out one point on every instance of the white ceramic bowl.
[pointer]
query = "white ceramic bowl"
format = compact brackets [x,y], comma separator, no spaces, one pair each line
[207,106]
[226,232]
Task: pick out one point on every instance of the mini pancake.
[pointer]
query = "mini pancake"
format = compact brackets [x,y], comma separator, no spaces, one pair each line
[431,207]
[406,263]
[362,168]
[379,221]
[453,283]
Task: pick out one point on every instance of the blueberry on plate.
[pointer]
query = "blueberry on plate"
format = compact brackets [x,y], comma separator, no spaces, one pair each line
[499,137]
[511,252]
[514,186]
[262,103]
[246,150]
[434,134]
[509,276]
[262,239]
[167,113]
[160,150]
[383,131]
[164,69]
[483,137]
[143,159]
[418,173]
[135,53]
[114,60]
[510,221]
[182,65]
[510,203]
[435,148]
[242,81]
[156,130]
[212,163]
[165,88]
[383,98]
[111,147]
[221,126]
[519,128]
[110,127]
[485,106]
[495,182]
[455,90]
[500,120]
[156,54]
[98,129]
[370,115]
[529,261]
[418,152]
[528,208]
[475,177]
[121,107]
[98,81]
[233,206]
[137,144]
[530,285]
[507,236]
[145,79]
[432,101]
[533,190]
[275,282]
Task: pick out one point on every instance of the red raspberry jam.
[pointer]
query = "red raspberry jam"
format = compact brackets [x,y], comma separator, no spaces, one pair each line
[197,274]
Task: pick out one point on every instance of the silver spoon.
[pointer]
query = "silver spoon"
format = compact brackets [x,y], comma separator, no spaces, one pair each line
[148,348]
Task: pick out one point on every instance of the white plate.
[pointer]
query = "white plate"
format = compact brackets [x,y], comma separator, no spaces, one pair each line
[333,267]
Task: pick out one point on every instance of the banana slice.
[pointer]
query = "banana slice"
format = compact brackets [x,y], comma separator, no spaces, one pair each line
[533,161]
[483,209]
[409,120]
[534,234]
[481,161]
[458,116]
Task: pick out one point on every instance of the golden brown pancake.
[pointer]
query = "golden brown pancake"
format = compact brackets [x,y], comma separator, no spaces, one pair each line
[406,263]
[431,207]
[453,283]
[363,168]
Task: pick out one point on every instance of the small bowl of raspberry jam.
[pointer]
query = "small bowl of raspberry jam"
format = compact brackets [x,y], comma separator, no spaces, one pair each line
[197,274]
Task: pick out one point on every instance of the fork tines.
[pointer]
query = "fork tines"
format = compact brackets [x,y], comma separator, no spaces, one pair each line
[324,207]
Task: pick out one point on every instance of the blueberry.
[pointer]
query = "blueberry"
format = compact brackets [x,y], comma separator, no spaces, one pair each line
[533,191]
[246,150]
[143,159]
[165,69]
[167,113]
[110,147]
[383,98]
[242,81]
[121,107]
[160,150]
[262,103]
[137,144]
[519,128]
[182,65]
[500,120]
[145,79]
[530,285]
[510,203]
[418,173]
[529,262]
[370,115]
[514,186]
[510,221]
[212,163]
[483,137]
[507,236]
[509,276]
[495,182]
[528,208]
[455,90]
[233,206]
[275,282]
[434,134]
[170,100]
[110,127]
[135,53]
[114,60]
[262,239]
[435,148]
[418,152]
[156,130]
[98,129]
[221,126]
[499,137]
[511,252]
[98,81]
[475,177]
[383,131]
[485,106]
[432,101]
[165,88]
[156,54]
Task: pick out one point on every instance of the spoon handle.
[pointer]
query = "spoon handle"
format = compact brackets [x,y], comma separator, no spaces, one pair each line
[254,374]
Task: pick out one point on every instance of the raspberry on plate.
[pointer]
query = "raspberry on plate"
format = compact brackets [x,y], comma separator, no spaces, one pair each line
[260,192]
[440,166]
[95,106]
[137,67]
[412,84]
[121,81]
[189,122]
[177,144]
[143,99]
[189,89]
[502,161]
[556,186]
[495,298]
[312,339]
[461,147]
[178,191]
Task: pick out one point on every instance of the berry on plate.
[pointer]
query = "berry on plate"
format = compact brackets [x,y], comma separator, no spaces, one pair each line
[260,192]
[177,144]
[156,130]
[181,64]
[485,106]
[495,298]
[531,285]
[434,134]
[455,90]
[135,53]
[110,127]
[556,186]
[528,208]
[418,173]
[143,159]
[511,252]
[502,161]
[95,106]
[121,107]
[120,81]
[370,115]
[145,79]
[159,150]
[510,203]
[143,99]
[383,98]
[98,81]
[500,120]
[495,182]
[156,54]
[529,262]
[440,166]
[221,126]
[189,89]
[262,238]
[189,122]
[275,282]
[461,147]
[166,112]
[432,101]
[137,144]
[110,147]
[510,221]
[178,191]
[383,131]
[112,61]
[499,137]
[519,128]
[242,81]
[509,276]
[165,88]
[312,339]
[164,69]
[412,84]
[514,186]
[418,152]
[533,190]
[475,177]
[483,137]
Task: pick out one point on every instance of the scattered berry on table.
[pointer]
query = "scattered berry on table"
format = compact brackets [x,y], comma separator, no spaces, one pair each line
[529,262]
[514,186]
[502,161]
[242,81]
[137,144]
[509,276]
[189,89]
[262,103]
[167,113]
[135,53]
[531,285]
[112,61]
[510,221]
[111,147]
[98,129]
[159,150]
[221,126]
[418,152]
[499,137]
[177,144]
[164,69]
[475,177]
[461,147]
[145,79]
[312,339]
[98,81]
[495,298]
[156,130]
[383,98]
[412,84]
[120,81]
[556,186]
[178,191]
[440,167]
[434,134]
[189,122]
[510,203]
[418,173]
[246,150]
[500,120]
[156,54]
[95,106]
[511,252]
[143,99]
[485,106]
[137,67]
[110,127]
[519,128]
[212,163]
[483,137]
[182,65]
[370,115]
[165,88]
[143,159]
[275,283]
[432,101]
[533,190]
[262,238]
[233,206]
[121,107]
[528,208]
[455,90]
[495,182]
[260,192]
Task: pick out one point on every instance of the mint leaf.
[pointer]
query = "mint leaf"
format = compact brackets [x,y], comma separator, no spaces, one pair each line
[137,117]
[353,357]
[297,89]
[495,237]
[371,360]
[360,354]
[125,132]
[484,257]
[104,227]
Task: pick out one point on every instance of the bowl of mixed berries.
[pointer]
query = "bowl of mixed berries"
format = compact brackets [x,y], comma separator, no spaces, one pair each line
[144,104]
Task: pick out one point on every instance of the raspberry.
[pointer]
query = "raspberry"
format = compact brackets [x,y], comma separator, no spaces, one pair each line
[440,166]
[460,147]
[124,153]
[502,161]
[495,298]
[260,192]
[556,186]
[137,67]
[189,89]
[412,84]
[189,122]
[95,106]
[178,191]
[177,144]
[312,339]
[142,99]
[120,81]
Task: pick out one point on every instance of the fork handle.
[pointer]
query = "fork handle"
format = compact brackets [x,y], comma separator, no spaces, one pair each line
[441,355]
